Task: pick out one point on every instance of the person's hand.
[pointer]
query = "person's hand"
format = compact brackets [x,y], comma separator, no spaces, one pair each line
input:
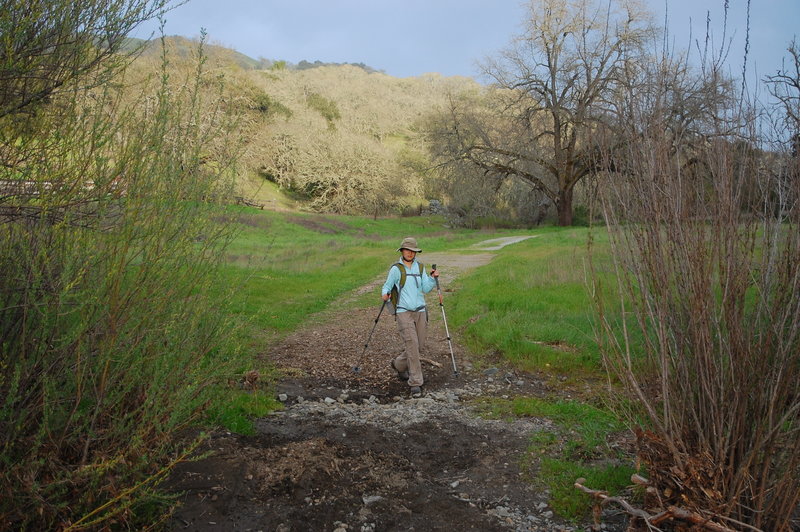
[434,273]
[385,297]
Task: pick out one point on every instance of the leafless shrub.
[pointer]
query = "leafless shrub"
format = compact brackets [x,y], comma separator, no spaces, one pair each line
[705,328]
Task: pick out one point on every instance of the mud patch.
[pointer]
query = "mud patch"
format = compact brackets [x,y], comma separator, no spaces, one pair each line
[250,220]
[313,474]
[324,225]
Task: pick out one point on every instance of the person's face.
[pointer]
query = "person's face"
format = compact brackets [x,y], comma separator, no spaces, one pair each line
[408,255]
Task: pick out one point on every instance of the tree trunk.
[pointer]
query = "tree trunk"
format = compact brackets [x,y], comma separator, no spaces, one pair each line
[564,207]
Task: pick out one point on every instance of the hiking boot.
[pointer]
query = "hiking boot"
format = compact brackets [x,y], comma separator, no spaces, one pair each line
[401,375]
[416,391]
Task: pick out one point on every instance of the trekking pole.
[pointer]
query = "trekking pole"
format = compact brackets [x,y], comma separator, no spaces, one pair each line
[446,330]
[357,367]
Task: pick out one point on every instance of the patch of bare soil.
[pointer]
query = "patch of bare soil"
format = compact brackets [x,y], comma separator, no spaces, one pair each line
[352,451]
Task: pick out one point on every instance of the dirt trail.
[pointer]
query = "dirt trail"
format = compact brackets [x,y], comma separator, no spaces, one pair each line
[353,452]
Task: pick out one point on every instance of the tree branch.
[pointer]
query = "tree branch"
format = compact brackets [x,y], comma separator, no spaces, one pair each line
[672,512]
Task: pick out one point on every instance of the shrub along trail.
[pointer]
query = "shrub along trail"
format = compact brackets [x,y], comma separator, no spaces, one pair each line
[352,451]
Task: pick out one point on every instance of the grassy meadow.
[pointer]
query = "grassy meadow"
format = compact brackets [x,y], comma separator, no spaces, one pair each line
[287,266]
[530,304]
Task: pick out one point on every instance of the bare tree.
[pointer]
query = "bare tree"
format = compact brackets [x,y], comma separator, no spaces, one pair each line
[469,118]
[556,78]
[785,87]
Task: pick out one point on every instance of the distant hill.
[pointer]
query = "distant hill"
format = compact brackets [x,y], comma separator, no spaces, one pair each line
[185,47]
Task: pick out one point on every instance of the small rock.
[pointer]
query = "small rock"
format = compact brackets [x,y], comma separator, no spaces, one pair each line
[329,401]
[283,398]
[502,511]
[548,514]
[371,499]
[454,484]
[541,506]
[491,371]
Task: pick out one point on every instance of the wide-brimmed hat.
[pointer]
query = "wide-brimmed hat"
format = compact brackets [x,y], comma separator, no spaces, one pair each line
[409,243]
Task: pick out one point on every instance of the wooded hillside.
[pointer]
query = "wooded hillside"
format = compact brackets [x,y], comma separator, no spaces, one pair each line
[339,138]
[347,139]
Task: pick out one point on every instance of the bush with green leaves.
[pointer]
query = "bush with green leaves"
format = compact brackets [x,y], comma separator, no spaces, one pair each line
[109,340]
[324,106]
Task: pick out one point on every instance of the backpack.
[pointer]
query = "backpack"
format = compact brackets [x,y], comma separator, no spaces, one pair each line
[394,295]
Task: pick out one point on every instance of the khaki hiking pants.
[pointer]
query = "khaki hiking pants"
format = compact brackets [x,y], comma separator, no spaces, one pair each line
[413,329]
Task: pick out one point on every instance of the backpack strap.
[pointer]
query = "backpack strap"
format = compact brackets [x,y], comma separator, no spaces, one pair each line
[395,293]
[403,273]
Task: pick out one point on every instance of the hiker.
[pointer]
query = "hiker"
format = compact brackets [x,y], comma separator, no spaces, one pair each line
[411,282]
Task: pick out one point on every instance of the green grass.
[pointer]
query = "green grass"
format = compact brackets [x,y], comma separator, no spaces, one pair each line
[240,408]
[532,306]
[587,426]
[577,449]
[565,499]
[287,267]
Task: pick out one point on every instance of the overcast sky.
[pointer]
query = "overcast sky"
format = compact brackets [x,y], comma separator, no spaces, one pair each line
[412,37]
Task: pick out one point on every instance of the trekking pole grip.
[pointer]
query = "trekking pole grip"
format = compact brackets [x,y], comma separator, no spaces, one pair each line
[438,290]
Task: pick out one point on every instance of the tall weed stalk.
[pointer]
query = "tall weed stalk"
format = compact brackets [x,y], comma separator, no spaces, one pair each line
[109,342]
[704,226]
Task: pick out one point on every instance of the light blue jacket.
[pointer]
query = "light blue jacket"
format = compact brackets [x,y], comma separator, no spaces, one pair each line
[412,296]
